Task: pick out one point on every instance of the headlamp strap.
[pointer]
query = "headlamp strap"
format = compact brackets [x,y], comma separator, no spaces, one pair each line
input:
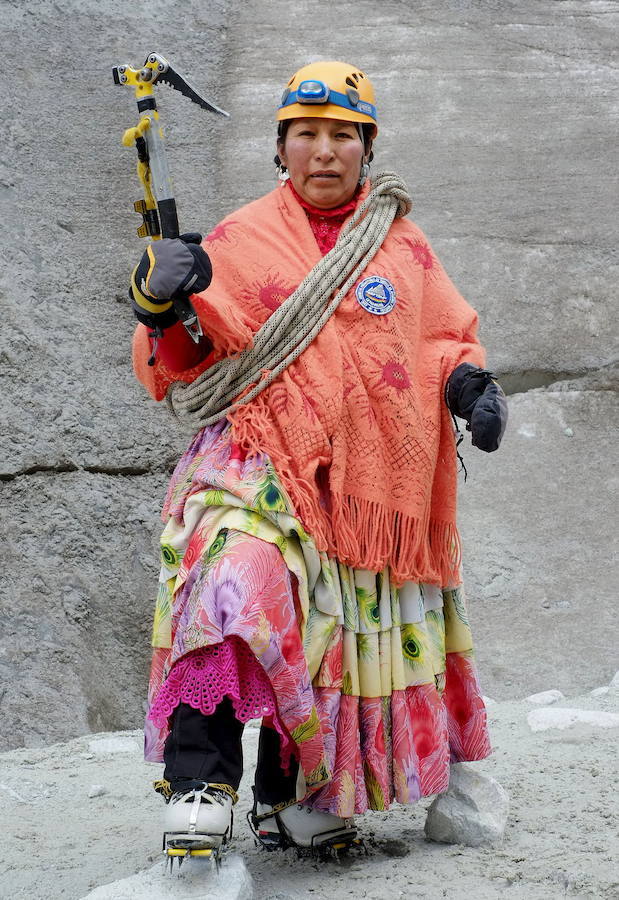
[329,96]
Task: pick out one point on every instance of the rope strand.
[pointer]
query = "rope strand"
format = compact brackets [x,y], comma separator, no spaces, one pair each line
[295,324]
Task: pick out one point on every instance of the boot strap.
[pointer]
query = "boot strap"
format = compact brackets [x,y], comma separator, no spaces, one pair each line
[163,787]
[273,812]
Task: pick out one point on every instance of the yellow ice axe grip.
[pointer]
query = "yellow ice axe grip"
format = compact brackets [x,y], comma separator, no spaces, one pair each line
[132,134]
[130,137]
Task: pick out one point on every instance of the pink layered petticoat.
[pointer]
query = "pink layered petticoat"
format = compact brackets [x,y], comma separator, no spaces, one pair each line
[204,677]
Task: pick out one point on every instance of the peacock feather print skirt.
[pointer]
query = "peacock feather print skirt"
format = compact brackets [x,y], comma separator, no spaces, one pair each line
[373,686]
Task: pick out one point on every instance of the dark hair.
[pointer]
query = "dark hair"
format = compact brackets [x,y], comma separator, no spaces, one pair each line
[368,136]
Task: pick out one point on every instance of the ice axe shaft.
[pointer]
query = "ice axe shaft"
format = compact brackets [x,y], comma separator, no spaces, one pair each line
[158,207]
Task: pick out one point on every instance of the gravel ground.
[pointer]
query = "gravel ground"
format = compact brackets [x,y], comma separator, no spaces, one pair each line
[561,838]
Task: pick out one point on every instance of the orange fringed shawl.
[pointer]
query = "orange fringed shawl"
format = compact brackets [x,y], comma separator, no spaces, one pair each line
[357,427]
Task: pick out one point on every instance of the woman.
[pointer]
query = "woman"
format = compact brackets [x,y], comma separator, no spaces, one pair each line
[310,561]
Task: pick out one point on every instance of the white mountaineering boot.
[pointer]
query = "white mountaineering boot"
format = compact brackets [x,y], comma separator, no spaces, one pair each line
[297,825]
[199,818]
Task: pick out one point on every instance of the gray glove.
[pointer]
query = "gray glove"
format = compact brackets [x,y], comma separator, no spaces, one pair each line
[170,269]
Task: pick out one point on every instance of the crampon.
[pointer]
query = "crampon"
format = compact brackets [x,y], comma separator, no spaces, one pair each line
[309,831]
[198,823]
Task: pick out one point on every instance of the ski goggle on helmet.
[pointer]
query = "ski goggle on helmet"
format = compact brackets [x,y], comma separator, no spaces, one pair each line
[329,90]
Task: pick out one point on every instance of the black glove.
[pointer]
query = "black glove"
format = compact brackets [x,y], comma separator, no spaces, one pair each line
[473,394]
[170,269]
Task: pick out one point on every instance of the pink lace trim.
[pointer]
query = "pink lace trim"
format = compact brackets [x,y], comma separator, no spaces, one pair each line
[205,676]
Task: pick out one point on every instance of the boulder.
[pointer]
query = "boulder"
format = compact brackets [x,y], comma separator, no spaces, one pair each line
[473,811]
[545,698]
[544,719]
[196,878]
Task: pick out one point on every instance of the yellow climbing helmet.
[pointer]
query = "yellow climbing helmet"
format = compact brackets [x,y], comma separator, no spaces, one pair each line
[329,90]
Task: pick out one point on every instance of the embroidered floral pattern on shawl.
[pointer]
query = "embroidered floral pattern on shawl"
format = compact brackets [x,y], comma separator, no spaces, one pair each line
[362,410]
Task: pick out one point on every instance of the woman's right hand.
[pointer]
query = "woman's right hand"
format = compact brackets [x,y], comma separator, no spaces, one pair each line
[170,268]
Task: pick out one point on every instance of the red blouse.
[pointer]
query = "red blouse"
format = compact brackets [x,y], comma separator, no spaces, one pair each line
[326,223]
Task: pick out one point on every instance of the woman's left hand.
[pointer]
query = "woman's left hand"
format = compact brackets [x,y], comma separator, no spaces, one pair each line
[475,395]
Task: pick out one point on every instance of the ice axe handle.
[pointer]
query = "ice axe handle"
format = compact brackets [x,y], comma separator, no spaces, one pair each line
[168,218]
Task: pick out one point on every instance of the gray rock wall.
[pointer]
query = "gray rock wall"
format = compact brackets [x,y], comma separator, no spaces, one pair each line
[499,116]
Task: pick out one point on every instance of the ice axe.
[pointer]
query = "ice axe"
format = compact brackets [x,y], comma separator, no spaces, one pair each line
[158,207]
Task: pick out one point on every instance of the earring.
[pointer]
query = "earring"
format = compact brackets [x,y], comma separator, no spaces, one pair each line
[282,171]
[365,171]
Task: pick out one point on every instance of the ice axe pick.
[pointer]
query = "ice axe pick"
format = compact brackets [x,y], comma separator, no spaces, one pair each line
[158,207]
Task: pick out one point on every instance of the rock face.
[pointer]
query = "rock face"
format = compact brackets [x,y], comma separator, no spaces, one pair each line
[502,129]
[472,812]
[539,559]
[77,603]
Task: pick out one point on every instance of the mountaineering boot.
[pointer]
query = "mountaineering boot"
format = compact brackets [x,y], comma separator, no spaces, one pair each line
[297,825]
[198,818]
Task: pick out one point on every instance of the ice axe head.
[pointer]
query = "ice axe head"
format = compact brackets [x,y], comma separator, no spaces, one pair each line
[155,69]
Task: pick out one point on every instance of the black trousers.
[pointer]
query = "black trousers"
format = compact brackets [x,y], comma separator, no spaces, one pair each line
[208,748]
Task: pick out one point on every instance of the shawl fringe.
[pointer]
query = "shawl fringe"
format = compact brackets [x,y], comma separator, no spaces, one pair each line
[360,533]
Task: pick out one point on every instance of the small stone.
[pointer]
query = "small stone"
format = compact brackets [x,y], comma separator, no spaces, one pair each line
[97,790]
[543,719]
[545,698]
[568,432]
[600,691]
[472,812]
[395,847]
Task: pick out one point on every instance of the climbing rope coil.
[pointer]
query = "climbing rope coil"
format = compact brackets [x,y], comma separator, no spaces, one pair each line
[295,324]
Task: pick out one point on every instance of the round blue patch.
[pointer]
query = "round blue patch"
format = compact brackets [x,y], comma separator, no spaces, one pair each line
[376,294]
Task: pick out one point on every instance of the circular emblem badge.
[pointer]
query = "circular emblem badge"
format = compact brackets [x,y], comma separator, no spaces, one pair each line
[376,294]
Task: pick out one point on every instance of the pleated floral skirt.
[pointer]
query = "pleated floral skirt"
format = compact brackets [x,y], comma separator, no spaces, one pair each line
[373,687]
